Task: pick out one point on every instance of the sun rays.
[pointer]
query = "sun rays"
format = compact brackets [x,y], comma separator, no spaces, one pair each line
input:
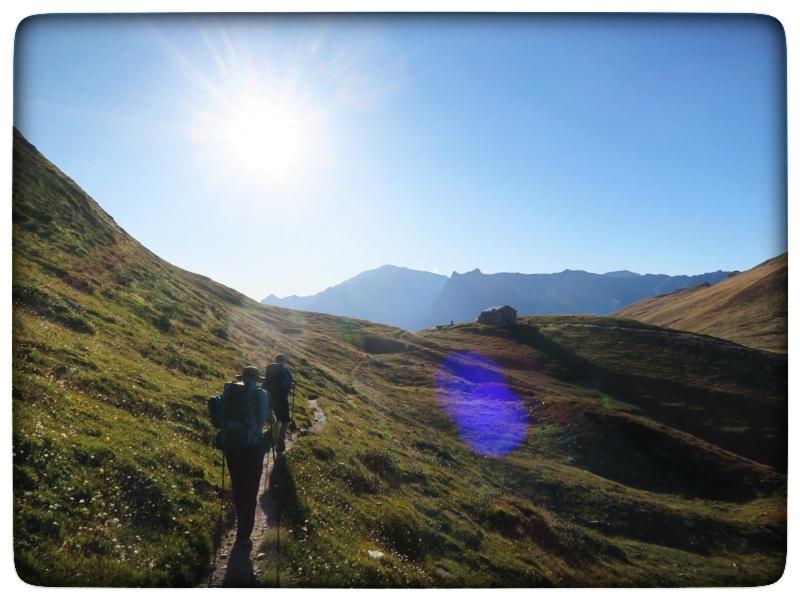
[253,121]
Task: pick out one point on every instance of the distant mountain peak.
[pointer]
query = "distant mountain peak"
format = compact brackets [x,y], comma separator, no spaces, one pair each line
[622,273]
[387,294]
[474,272]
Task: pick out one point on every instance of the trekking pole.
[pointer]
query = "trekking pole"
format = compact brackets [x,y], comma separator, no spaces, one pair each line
[294,388]
[278,552]
[266,470]
[222,491]
[277,529]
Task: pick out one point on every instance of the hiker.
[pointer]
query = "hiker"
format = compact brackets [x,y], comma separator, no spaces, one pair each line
[279,382]
[240,413]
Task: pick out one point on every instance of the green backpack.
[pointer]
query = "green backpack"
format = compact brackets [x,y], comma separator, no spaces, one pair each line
[238,426]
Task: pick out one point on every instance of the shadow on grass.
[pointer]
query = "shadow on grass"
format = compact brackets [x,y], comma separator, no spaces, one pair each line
[282,507]
[669,402]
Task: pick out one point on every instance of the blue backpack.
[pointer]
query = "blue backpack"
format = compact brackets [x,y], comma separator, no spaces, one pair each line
[237,418]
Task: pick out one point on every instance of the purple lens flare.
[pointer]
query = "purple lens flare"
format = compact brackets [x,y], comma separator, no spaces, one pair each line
[472,391]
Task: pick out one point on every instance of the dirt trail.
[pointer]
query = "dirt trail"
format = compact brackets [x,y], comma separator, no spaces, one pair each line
[319,418]
[233,567]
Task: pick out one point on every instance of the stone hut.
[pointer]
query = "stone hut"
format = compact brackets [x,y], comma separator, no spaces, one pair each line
[498,315]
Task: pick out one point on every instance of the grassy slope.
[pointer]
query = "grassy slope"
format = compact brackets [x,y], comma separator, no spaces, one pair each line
[749,308]
[633,471]
[115,352]
[604,491]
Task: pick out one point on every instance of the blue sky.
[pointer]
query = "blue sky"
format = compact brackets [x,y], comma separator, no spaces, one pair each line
[284,155]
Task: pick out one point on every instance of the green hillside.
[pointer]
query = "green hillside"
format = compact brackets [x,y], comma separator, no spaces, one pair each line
[651,457]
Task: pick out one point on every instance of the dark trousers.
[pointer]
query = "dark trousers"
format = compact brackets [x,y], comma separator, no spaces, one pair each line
[245,466]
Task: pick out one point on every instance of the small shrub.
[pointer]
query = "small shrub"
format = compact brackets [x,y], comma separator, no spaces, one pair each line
[221,333]
[323,452]
[163,323]
[357,480]
[149,507]
[409,533]
[471,537]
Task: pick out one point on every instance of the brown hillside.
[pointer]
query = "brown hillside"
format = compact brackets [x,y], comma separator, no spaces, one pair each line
[749,308]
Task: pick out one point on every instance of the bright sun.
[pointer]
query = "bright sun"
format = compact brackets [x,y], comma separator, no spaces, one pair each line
[264,138]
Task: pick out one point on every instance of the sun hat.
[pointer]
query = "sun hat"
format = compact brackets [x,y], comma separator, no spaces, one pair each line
[250,372]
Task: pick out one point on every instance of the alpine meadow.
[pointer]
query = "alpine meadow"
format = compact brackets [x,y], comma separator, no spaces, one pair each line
[632,471]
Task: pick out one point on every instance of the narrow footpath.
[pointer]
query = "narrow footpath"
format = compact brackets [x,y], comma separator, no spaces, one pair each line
[233,567]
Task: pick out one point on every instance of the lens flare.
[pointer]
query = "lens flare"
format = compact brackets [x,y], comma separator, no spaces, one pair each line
[472,391]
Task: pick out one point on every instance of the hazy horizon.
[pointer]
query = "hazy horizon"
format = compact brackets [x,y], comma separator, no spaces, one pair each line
[448,275]
[286,154]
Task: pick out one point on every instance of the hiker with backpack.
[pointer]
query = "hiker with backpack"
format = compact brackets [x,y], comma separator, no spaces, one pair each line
[240,413]
[279,382]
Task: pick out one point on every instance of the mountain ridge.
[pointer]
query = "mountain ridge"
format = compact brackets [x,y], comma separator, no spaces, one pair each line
[462,296]
[566,292]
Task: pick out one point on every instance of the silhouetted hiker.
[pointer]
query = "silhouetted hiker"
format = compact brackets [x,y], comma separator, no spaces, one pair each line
[240,413]
[279,383]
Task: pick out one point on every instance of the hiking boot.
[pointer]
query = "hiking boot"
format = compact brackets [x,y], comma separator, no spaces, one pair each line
[244,543]
[280,446]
